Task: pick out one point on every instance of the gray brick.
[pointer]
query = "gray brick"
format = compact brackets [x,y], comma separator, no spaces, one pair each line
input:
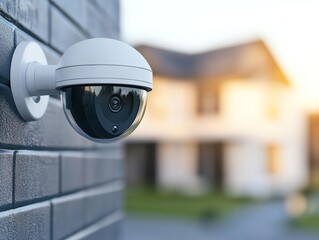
[102,166]
[30,222]
[106,229]
[6,49]
[97,18]
[63,32]
[117,230]
[117,198]
[100,25]
[73,211]
[68,215]
[109,232]
[98,205]
[106,23]
[75,9]
[118,172]
[110,9]
[36,175]
[72,171]
[6,168]
[105,233]
[101,201]
[34,15]
[97,170]
[9,7]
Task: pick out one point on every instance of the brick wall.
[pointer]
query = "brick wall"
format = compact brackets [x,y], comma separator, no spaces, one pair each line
[54,184]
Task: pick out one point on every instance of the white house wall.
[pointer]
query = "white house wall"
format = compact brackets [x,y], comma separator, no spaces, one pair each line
[246,160]
[177,167]
[245,170]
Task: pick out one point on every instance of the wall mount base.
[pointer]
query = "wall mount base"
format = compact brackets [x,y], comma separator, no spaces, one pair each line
[30,108]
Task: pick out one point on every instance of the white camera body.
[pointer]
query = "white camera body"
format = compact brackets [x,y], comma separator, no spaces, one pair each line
[104,85]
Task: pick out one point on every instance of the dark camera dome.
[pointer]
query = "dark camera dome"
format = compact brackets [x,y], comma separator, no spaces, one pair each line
[104,113]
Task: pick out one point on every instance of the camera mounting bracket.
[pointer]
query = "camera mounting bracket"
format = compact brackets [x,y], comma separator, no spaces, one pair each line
[30,107]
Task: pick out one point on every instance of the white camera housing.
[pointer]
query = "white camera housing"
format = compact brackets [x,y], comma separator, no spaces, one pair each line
[104,83]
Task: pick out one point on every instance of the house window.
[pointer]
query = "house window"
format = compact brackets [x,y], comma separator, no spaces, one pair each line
[273,159]
[208,98]
[313,139]
[272,110]
[273,103]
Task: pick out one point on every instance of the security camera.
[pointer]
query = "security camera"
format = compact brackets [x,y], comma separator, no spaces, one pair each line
[104,85]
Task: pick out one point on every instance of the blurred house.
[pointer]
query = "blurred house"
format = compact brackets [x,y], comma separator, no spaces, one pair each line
[226,119]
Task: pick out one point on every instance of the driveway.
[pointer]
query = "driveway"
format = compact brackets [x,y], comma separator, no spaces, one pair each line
[258,222]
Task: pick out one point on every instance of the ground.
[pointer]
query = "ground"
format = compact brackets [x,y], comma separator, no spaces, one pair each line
[213,205]
[263,221]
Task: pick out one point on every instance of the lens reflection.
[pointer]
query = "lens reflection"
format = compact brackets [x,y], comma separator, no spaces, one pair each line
[104,112]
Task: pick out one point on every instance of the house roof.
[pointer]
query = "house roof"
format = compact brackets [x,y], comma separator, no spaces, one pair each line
[246,61]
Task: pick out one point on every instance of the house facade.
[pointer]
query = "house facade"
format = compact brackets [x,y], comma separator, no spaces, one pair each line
[224,119]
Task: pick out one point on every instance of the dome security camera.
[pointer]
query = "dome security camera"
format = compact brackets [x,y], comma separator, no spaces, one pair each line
[104,85]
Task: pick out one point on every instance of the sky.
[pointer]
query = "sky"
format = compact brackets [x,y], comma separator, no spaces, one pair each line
[290,29]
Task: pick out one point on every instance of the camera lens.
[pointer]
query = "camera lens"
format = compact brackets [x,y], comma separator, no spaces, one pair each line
[115,104]
[104,113]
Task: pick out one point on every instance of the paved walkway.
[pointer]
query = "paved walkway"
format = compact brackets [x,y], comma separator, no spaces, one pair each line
[260,222]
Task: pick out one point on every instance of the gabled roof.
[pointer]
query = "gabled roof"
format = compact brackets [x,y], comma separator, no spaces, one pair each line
[249,60]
